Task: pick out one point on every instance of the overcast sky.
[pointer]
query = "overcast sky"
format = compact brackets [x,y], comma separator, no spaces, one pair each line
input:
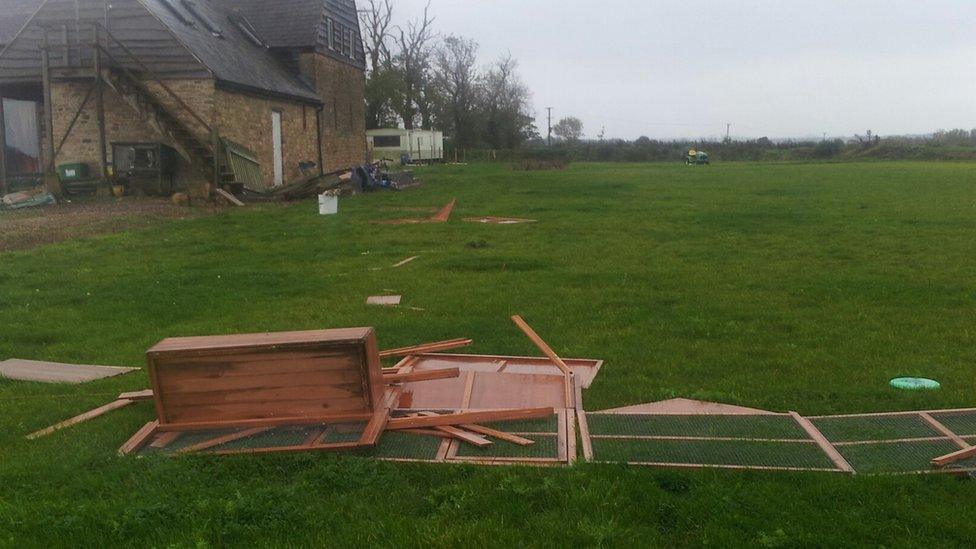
[777,68]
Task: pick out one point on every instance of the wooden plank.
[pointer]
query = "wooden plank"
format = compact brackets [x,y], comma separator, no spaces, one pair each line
[56,372]
[227,196]
[469,417]
[267,410]
[468,390]
[444,215]
[464,436]
[561,429]
[824,444]
[938,426]
[146,394]
[338,447]
[443,449]
[223,439]
[89,415]
[374,429]
[165,439]
[427,375]
[405,261]
[959,455]
[278,340]
[547,350]
[427,348]
[570,436]
[584,427]
[427,433]
[139,439]
[495,433]
[459,434]
[296,421]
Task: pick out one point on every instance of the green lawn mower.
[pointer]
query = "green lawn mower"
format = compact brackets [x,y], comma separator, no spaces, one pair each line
[697,158]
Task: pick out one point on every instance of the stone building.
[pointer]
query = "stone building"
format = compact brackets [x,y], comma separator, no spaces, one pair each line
[281,83]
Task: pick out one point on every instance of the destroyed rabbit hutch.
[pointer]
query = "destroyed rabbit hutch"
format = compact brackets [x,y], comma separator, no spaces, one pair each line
[201,77]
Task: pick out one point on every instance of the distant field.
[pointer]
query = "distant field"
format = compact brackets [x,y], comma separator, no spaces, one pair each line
[780,286]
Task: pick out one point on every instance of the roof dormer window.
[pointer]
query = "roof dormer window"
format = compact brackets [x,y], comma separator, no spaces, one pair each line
[204,20]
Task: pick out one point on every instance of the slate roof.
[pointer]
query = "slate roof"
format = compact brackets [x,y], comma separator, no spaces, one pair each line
[301,24]
[13,15]
[233,59]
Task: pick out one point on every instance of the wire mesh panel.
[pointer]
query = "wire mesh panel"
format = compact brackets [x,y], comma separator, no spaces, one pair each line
[884,427]
[394,445]
[732,453]
[752,427]
[545,447]
[961,423]
[895,457]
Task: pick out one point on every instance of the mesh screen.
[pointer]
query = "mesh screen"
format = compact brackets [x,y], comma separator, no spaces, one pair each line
[962,424]
[712,452]
[544,447]
[851,429]
[774,427]
[393,445]
[542,425]
[896,457]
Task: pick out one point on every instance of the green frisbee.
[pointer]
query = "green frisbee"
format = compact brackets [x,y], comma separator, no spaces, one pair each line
[915,384]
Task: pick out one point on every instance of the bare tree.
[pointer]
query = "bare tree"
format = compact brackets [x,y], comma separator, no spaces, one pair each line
[415,43]
[457,83]
[376,19]
[506,101]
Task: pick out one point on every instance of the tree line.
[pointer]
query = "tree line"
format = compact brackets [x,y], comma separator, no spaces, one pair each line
[418,78]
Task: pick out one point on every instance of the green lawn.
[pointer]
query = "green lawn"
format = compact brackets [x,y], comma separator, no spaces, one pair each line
[778,286]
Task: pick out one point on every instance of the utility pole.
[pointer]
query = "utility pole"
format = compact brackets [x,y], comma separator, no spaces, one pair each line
[550,125]
[728,132]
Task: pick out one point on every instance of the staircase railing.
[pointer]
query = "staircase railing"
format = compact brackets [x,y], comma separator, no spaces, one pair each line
[99,28]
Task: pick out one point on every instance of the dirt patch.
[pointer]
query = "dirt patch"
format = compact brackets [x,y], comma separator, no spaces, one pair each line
[25,229]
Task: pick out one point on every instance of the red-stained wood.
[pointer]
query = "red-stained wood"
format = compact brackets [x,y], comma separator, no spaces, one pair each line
[295,421]
[223,439]
[139,439]
[495,433]
[547,350]
[89,415]
[469,417]
[260,380]
[146,394]
[374,429]
[824,444]
[459,434]
[428,375]
[938,426]
[960,455]
[427,348]
[165,439]
[444,215]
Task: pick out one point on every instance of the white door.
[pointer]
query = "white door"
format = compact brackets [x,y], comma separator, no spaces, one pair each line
[279,168]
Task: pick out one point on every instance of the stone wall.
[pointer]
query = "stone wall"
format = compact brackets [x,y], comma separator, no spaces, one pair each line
[123,123]
[342,88]
[246,120]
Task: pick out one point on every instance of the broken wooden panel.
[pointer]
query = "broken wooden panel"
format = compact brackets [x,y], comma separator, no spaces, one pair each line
[56,372]
[486,391]
[265,379]
[584,370]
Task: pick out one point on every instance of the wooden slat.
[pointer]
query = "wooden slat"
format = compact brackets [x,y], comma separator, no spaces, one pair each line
[223,439]
[547,350]
[146,394]
[405,261]
[427,375]
[459,434]
[427,348]
[824,444]
[91,414]
[444,215]
[959,455]
[584,427]
[469,417]
[139,439]
[938,426]
[165,439]
[228,197]
[338,447]
[56,372]
[500,435]
[266,422]
[374,429]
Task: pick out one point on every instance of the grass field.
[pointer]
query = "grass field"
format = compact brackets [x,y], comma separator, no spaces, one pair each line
[779,286]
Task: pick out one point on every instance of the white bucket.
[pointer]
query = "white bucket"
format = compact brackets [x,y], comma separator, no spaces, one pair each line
[328,204]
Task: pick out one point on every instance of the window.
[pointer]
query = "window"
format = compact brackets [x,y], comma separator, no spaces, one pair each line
[347,43]
[386,141]
[331,34]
